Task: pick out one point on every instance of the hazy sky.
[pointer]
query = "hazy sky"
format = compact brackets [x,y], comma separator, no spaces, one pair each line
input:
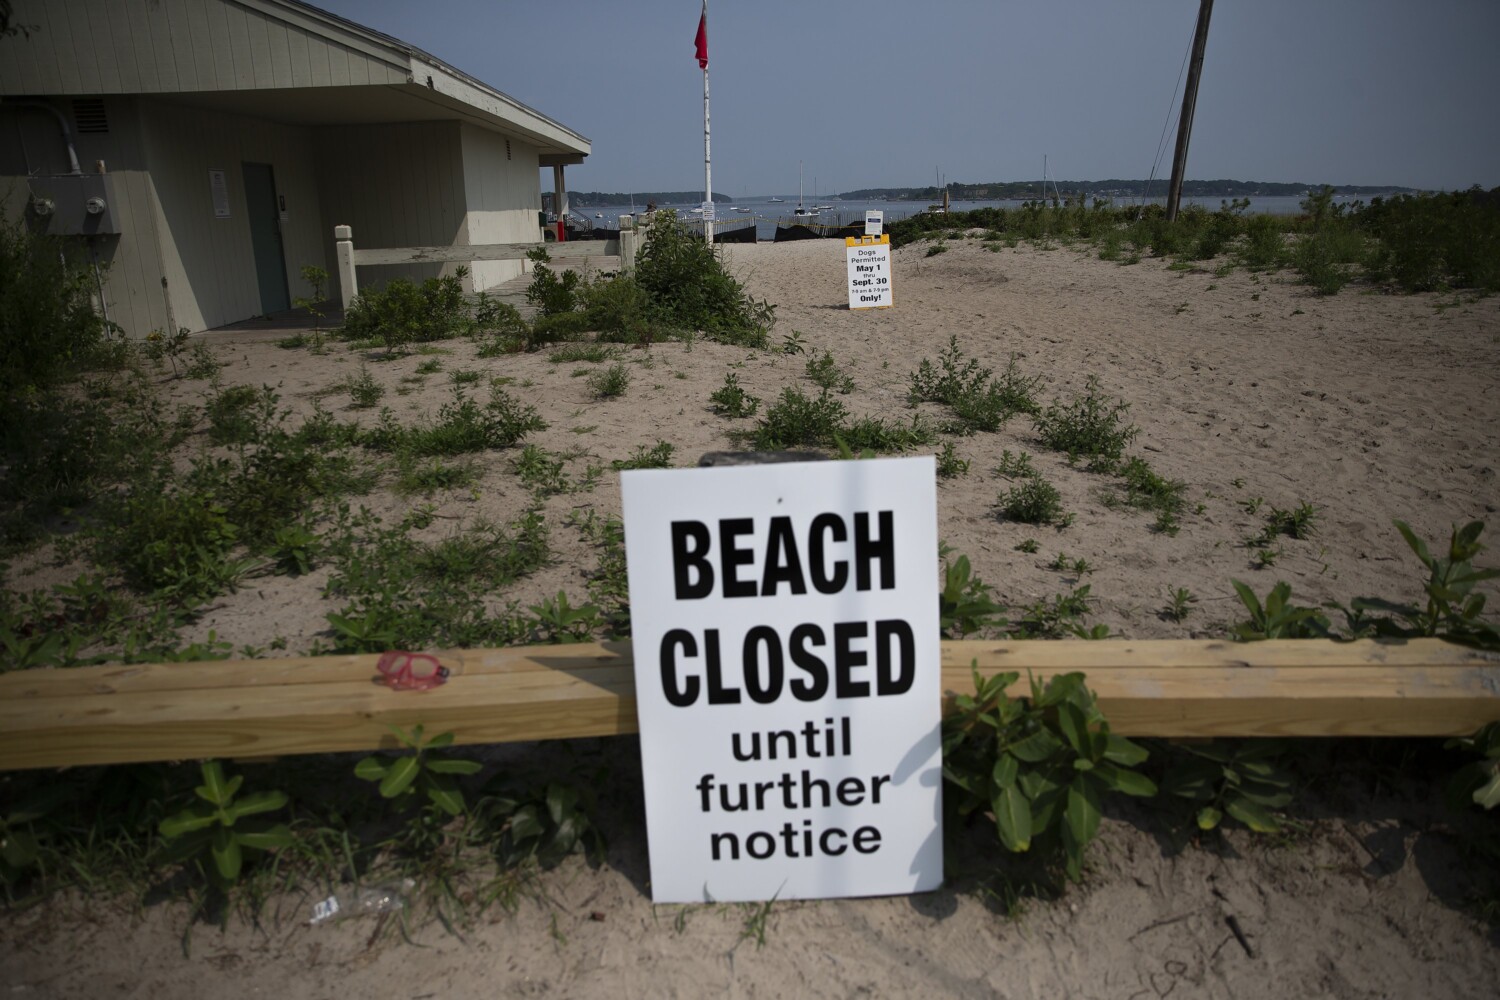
[880,93]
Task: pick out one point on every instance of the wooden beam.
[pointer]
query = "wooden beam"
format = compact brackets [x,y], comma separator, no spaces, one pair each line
[1167,688]
[485,251]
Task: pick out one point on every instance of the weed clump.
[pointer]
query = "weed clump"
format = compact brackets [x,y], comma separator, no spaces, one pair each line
[732,400]
[610,383]
[1034,501]
[797,419]
[980,400]
[1091,426]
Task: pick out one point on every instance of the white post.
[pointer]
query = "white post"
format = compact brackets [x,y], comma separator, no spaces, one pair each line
[630,242]
[344,247]
[708,170]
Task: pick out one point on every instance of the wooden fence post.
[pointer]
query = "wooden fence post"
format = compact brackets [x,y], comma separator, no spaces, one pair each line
[344,245]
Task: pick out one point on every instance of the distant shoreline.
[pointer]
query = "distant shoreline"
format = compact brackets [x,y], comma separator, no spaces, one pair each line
[1008,191]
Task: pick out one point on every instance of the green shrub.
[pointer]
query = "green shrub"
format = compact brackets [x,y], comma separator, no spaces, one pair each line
[611,382]
[688,287]
[979,399]
[403,313]
[500,327]
[795,419]
[48,327]
[618,308]
[241,413]
[1035,501]
[1092,426]
[1315,257]
[551,292]
[1264,248]
[462,426]
[882,437]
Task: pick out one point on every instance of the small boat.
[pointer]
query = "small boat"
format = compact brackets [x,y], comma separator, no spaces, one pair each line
[598,215]
[778,201]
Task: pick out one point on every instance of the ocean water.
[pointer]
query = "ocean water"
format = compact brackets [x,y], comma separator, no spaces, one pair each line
[767,213]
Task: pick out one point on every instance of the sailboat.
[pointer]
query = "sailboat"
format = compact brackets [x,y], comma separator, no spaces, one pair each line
[801,212]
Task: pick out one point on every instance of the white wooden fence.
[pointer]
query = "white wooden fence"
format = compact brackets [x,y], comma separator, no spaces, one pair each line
[349,259]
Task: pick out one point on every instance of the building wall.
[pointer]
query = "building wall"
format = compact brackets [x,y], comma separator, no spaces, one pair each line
[502,193]
[160,46]
[399,185]
[208,261]
[31,144]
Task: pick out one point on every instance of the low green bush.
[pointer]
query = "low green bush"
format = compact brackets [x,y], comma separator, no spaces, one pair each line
[404,313]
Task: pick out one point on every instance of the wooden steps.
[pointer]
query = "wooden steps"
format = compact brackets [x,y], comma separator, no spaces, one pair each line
[1167,688]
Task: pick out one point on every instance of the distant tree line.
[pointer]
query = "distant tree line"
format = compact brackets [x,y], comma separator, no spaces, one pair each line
[1112,188]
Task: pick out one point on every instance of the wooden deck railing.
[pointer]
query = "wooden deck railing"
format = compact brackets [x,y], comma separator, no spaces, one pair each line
[1167,688]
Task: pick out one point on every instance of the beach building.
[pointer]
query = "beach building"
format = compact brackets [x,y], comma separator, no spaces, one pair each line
[202,151]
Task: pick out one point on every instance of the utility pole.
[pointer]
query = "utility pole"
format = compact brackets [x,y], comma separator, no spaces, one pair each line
[1189,102]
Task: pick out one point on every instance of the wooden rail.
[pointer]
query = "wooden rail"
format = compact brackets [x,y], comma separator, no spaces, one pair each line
[349,258]
[486,251]
[1168,688]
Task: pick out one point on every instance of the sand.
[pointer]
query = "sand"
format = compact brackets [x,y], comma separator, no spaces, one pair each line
[1369,406]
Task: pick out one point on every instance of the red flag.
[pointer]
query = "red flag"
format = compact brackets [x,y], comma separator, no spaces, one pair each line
[702,40]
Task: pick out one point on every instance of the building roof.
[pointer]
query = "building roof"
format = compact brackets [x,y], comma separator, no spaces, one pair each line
[279,59]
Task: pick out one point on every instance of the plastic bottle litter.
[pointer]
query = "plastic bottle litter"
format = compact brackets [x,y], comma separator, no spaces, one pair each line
[387,897]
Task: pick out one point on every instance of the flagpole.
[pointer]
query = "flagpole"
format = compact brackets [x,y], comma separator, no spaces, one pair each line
[708,170]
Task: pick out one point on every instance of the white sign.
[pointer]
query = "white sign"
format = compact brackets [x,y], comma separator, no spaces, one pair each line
[869,261]
[874,222]
[787,676]
[219,188]
[708,211]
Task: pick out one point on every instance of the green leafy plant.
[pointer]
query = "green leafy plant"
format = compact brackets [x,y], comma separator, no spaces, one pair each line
[732,400]
[1477,782]
[1180,602]
[964,604]
[423,774]
[315,278]
[1015,466]
[657,456]
[1038,767]
[295,548]
[1091,426]
[403,313]
[1453,610]
[1278,618]
[1241,779]
[209,833]
[825,373]
[1299,522]
[550,291]
[949,465]
[558,622]
[364,391]
[792,343]
[543,825]
[20,838]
